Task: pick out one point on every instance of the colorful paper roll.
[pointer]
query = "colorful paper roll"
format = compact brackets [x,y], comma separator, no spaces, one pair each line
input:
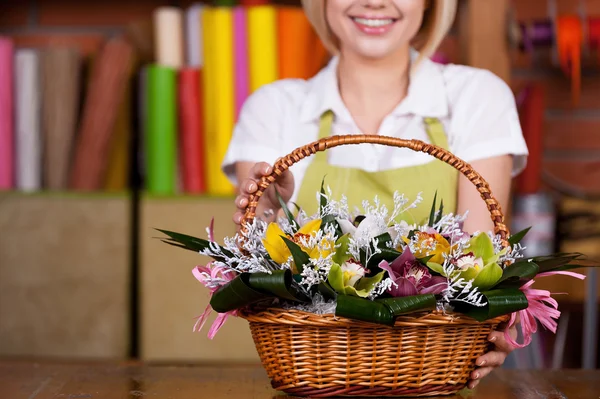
[161,129]
[119,154]
[109,80]
[28,137]
[294,43]
[6,114]
[531,114]
[223,77]
[262,45]
[61,71]
[193,37]
[240,62]
[208,88]
[569,43]
[537,34]
[594,32]
[168,36]
[191,143]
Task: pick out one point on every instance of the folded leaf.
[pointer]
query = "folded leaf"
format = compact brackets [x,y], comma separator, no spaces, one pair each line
[301,258]
[499,302]
[409,304]
[249,288]
[488,276]
[387,254]
[279,283]
[326,290]
[236,294]
[517,274]
[363,309]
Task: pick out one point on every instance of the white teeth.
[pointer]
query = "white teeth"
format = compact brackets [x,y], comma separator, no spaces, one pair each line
[374,23]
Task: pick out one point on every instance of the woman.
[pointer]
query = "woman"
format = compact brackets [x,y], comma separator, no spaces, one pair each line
[381,81]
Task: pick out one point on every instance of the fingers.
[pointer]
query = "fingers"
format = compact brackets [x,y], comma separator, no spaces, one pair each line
[477,375]
[499,341]
[260,169]
[493,358]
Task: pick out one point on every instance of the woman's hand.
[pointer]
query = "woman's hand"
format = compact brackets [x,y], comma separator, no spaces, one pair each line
[494,358]
[249,175]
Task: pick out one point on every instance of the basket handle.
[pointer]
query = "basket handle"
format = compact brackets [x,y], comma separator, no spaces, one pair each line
[416,145]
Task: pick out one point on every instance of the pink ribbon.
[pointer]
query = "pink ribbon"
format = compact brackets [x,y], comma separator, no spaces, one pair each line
[541,306]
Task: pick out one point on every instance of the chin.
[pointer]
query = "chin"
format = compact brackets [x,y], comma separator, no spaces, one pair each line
[374,51]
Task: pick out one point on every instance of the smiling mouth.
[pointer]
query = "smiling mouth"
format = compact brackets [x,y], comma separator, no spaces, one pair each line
[374,22]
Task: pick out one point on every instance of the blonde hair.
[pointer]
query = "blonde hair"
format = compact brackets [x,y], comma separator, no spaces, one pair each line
[437,21]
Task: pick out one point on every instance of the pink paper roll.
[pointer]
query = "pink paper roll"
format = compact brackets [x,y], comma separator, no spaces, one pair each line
[6,114]
[240,43]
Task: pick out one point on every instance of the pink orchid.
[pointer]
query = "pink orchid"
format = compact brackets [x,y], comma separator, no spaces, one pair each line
[411,278]
[207,275]
[541,307]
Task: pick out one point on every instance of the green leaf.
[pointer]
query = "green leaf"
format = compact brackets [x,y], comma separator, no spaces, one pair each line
[499,302]
[440,212]
[425,259]
[482,247]
[409,304]
[363,309]
[301,258]
[517,274]
[287,212]
[341,253]
[236,294]
[326,290]
[488,276]
[432,212]
[322,199]
[516,238]
[279,283]
[559,261]
[190,243]
[387,254]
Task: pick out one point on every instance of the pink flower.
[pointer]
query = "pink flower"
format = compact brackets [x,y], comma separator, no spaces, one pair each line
[209,275]
[411,277]
[542,307]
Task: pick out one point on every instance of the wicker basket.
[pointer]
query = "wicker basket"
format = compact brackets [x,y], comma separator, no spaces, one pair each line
[423,354]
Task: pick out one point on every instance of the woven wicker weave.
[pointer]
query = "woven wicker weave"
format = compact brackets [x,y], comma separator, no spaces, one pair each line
[424,354]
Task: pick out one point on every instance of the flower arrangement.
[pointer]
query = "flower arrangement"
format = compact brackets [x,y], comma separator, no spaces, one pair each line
[371,266]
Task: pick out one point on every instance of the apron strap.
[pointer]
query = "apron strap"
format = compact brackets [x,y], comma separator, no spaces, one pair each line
[325,124]
[436,132]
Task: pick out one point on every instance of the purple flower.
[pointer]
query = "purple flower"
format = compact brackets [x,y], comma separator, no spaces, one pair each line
[411,277]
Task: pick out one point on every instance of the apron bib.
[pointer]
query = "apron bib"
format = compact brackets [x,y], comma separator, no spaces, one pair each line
[359,185]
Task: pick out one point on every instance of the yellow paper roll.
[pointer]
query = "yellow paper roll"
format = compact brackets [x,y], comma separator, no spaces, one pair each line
[168,36]
[220,79]
[262,45]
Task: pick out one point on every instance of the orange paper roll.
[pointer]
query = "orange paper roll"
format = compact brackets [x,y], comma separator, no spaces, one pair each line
[294,43]
[569,43]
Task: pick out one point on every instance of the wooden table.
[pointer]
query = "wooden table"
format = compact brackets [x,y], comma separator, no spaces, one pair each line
[45,380]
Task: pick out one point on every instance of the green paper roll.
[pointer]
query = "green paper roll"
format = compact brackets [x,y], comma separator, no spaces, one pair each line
[161,129]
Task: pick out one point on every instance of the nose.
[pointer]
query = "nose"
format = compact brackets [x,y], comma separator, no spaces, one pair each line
[375,3]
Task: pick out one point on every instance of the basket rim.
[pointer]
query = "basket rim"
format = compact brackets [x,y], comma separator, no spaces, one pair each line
[275,315]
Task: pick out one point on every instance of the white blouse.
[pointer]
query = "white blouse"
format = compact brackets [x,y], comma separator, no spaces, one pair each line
[476,107]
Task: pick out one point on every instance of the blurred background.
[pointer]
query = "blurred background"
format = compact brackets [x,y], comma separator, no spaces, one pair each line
[115,115]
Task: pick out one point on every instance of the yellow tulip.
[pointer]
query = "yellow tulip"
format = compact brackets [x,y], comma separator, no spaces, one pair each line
[279,251]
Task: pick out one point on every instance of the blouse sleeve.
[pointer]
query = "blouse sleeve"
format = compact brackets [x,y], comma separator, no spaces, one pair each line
[256,136]
[486,123]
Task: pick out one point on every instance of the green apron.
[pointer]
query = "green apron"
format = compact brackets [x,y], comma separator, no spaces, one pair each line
[359,185]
